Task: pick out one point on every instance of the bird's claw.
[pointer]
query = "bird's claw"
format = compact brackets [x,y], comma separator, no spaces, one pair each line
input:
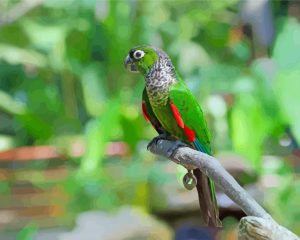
[172,150]
[189,179]
[156,139]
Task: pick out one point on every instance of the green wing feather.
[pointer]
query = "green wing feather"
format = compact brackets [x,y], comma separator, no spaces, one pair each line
[191,112]
[192,116]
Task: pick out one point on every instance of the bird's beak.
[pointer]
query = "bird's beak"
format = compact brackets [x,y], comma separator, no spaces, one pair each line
[130,65]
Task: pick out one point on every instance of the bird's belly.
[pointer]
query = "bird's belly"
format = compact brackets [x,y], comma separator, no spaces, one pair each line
[165,116]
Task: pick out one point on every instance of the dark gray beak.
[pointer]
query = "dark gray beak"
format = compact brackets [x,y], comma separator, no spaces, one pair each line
[130,65]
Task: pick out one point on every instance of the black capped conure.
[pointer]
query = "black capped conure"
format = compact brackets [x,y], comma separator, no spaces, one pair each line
[173,111]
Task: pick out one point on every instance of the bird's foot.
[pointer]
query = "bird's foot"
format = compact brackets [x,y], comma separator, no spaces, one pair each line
[172,150]
[189,180]
[161,136]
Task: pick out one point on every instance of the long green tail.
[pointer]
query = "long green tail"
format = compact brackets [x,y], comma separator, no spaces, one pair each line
[206,193]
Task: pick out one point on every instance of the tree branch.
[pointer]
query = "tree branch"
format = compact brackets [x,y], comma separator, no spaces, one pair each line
[210,166]
[262,229]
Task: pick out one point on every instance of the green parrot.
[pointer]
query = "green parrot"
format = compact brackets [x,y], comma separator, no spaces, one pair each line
[173,111]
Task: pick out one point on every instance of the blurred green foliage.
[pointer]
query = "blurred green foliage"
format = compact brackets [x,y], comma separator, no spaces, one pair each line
[62,75]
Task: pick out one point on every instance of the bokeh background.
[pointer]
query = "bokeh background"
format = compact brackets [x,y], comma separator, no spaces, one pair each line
[73,158]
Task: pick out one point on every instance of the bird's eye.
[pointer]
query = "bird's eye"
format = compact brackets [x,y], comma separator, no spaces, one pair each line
[138,54]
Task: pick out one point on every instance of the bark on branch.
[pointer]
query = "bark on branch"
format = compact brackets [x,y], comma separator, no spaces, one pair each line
[260,224]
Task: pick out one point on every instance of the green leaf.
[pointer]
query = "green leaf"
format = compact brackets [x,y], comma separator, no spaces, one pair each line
[15,55]
[52,42]
[132,125]
[287,45]
[35,126]
[287,89]
[98,133]
[10,105]
[249,128]
[93,91]
[28,232]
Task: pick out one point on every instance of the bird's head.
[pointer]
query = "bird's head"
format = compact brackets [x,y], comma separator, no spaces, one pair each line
[141,59]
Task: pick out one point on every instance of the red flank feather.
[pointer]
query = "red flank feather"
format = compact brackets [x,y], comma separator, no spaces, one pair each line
[190,134]
[177,115]
[146,116]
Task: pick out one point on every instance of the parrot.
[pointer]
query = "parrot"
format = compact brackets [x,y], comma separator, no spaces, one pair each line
[173,111]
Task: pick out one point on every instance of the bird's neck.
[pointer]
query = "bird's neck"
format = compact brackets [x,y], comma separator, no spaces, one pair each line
[158,81]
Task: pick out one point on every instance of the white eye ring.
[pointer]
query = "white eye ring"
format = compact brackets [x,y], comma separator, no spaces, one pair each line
[138,54]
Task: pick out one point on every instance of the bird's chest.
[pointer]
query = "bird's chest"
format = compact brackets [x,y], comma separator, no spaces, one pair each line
[158,99]
[158,92]
[158,83]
